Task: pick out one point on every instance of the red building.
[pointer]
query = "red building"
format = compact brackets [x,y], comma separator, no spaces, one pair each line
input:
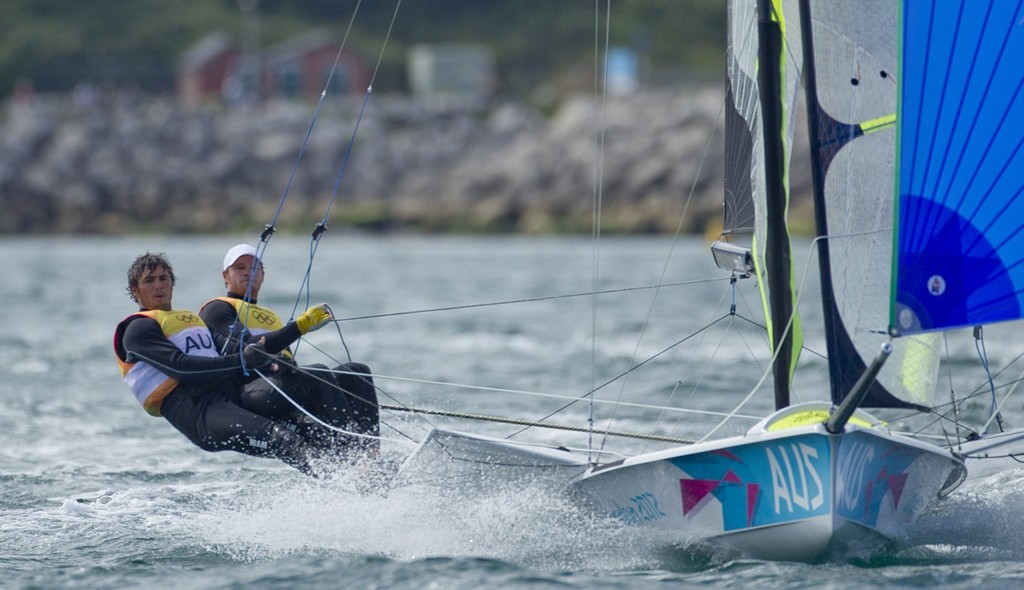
[300,67]
[214,69]
[205,67]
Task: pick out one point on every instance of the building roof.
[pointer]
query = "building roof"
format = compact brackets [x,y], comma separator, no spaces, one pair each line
[205,49]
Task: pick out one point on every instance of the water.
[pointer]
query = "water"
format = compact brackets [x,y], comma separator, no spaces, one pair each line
[97,494]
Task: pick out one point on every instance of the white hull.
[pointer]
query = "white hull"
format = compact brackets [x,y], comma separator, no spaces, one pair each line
[467,463]
[778,493]
[783,491]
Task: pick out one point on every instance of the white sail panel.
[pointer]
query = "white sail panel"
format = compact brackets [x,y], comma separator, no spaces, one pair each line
[855,51]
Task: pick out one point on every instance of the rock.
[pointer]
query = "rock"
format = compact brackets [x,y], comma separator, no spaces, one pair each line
[160,166]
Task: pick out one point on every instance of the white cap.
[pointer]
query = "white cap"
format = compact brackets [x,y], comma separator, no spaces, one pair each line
[237,252]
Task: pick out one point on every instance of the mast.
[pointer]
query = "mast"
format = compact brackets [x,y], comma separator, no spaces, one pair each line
[777,253]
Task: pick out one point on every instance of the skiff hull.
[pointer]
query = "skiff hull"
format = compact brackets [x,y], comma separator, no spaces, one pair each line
[781,493]
[786,490]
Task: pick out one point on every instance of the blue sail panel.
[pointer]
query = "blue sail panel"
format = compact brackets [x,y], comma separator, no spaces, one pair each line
[959,258]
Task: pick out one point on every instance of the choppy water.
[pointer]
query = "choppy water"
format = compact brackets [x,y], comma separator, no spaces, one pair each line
[97,494]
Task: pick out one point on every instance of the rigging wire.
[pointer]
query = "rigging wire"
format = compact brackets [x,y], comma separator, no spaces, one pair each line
[672,247]
[994,413]
[686,369]
[623,374]
[600,89]
[1012,385]
[531,423]
[952,396]
[421,412]
[789,326]
[505,390]
[330,427]
[988,387]
[321,227]
[536,423]
[531,299]
[270,228]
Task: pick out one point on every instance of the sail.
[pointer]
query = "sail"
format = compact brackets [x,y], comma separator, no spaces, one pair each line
[960,242]
[743,145]
[758,149]
[851,78]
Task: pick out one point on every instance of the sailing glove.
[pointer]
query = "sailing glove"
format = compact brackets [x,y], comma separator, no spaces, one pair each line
[314,318]
[255,356]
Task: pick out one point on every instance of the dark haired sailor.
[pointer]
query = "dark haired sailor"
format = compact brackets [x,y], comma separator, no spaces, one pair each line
[170,362]
[343,398]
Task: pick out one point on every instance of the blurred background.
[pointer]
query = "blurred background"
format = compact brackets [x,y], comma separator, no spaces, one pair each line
[171,117]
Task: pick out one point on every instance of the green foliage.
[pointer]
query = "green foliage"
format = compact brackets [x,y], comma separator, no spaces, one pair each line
[58,43]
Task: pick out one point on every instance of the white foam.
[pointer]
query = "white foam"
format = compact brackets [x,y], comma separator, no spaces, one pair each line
[528,526]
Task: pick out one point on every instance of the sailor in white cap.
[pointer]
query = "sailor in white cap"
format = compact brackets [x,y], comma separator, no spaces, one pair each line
[344,398]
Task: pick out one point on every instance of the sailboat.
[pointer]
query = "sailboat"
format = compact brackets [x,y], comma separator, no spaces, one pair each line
[916,156]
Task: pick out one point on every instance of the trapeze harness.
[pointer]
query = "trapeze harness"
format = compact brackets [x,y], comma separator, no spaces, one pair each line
[148,384]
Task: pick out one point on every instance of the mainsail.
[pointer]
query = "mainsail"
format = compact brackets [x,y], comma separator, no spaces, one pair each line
[852,78]
[960,255]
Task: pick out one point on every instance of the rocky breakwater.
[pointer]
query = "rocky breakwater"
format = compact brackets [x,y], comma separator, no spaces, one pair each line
[157,166]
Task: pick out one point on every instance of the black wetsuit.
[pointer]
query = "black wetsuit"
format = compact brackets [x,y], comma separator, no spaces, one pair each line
[346,401]
[206,406]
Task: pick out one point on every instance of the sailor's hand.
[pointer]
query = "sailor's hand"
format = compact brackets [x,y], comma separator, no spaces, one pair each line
[255,356]
[314,318]
[284,365]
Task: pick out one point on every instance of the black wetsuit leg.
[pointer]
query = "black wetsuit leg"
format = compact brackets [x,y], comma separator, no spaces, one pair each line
[263,398]
[346,402]
[361,396]
[213,422]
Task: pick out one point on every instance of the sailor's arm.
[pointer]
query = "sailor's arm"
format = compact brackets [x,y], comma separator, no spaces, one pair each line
[222,319]
[144,341]
[313,318]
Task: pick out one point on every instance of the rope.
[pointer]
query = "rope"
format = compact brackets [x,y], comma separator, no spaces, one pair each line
[321,227]
[527,300]
[530,423]
[331,427]
[378,376]
[600,89]
[590,393]
[270,228]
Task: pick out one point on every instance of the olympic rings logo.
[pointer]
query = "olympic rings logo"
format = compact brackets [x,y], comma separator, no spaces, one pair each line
[187,318]
[261,316]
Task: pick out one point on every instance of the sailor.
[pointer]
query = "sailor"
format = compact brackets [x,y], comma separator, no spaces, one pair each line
[344,398]
[170,362]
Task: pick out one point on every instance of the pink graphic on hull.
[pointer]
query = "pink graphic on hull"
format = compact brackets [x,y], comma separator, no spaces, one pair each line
[893,483]
[697,492]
